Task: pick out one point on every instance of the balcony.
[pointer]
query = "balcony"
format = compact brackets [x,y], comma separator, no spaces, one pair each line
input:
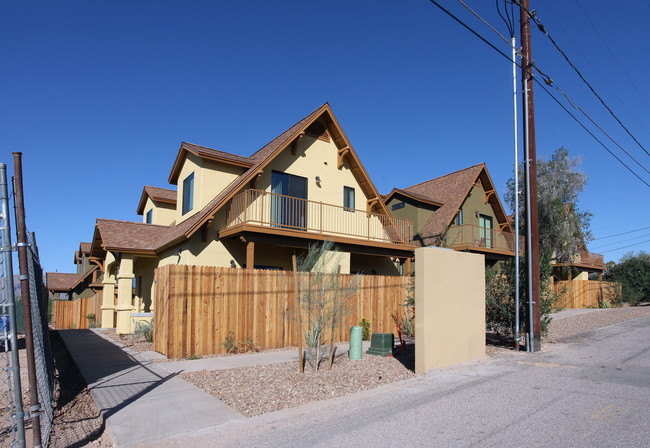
[481,239]
[261,211]
[587,260]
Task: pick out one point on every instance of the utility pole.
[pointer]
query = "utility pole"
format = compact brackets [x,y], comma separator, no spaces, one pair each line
[21,231]
[534,339]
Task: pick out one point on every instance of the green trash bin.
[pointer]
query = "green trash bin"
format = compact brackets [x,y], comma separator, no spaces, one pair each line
[356,348]
[381,344]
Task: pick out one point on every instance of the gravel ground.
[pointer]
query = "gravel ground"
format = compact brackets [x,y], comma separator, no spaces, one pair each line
[258,389]
[128,340]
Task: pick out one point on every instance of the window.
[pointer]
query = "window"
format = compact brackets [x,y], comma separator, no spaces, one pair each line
[485,230]
[188,193]
[397,206]
[289,201]
[149,217]
[459,217]
[348,198]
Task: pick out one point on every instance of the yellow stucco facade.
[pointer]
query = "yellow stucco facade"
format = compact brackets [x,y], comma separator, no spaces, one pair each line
[161,213]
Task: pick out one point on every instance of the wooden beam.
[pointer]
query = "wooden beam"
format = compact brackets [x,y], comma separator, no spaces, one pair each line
[503,226]
[294,145]
[371,204]
[250,256]
[204,235]
[488,194]
[256,179]
[340,155]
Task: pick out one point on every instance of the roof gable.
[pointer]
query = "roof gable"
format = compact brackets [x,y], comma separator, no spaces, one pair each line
[156,194]
[205,154]
[451,190]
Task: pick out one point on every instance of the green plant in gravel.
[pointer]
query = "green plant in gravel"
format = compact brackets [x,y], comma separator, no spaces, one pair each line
[365,329]
[232,345]
[323,298]
[144,330]
[92,321]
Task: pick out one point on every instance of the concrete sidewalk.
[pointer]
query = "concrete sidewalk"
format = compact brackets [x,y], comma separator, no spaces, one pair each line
[143,401]
[140,401]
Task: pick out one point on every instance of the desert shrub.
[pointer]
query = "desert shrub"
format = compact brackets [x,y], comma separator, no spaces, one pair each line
[365,329]
[92,321]
[232,345]
[144,330]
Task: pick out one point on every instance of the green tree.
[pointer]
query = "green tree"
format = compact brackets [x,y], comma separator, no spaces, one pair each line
[563,227]
[633,272]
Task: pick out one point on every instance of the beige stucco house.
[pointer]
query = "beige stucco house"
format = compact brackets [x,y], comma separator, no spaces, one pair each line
[460,210]
[304,186]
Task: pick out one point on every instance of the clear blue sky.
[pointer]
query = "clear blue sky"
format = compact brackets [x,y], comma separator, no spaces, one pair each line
[99,95]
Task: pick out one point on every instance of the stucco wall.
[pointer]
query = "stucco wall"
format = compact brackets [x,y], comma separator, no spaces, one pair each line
[163,214]
[449,307]
[417,212]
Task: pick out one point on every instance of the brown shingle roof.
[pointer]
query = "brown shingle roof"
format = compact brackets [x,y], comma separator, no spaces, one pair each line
[156,194]
[127,236]
[58,281]
[84,248]
[450,190]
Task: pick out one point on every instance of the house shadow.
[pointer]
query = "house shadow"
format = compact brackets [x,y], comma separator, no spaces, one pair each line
[406,354]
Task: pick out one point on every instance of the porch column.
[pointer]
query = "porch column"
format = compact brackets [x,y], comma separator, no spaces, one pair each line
[407,267]
[250,255]
[125,294]
[108,294]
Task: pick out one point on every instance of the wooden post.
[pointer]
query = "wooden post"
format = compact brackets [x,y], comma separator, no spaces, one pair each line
[250,255]
[299,310]
[407,267]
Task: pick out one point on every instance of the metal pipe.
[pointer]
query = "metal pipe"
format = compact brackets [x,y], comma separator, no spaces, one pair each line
[514,103]
[10,299]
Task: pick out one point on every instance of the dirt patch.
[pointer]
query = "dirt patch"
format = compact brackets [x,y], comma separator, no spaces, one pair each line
[131,341]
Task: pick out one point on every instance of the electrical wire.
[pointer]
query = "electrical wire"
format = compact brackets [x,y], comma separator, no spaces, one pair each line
[509,19]
[547,80]
[541,27]
[612,53]
[613,243]
[619,234]
[625,247]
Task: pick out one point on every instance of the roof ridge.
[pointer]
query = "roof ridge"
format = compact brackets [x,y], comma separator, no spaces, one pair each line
[277,136]
[213,149]
[132,222]
[444,175]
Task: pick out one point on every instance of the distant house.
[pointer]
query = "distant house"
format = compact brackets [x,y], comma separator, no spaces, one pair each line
[460,210]
[85,283]
[305,186]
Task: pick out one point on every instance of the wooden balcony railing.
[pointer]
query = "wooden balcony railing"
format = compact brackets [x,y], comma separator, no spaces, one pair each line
[592,259]
[272,210]
[474,237]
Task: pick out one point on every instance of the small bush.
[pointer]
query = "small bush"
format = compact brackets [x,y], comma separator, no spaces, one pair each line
[144,330]
[365,329]
[231,345]
[92,321]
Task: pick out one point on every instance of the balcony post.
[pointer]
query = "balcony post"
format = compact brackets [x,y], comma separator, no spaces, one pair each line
[321,217]
[250,256]
[245,205]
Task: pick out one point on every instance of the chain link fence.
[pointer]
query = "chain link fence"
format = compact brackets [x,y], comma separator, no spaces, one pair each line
[44,362]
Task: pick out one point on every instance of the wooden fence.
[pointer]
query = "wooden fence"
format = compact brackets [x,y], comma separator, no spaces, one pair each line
[585,293]
[68,314]
[197,306]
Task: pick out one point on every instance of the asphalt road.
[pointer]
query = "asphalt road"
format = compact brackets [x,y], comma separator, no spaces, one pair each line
[591,392]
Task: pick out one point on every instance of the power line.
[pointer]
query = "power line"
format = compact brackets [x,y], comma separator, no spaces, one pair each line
[619,234]
[540,26]
[602,78]
[625,247]
[613,243]
[612,53]
[547,81]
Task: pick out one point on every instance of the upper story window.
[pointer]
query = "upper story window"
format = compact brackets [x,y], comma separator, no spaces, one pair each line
[348,198]
[149,217]
[459,217]
[397,206]
[188,193]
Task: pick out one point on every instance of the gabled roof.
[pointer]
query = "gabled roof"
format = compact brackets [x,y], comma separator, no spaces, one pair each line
[64,282]
[207,154]
[410,194]
[126,236]
[147,238]
[450,191]
[84,249]
[156,194]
